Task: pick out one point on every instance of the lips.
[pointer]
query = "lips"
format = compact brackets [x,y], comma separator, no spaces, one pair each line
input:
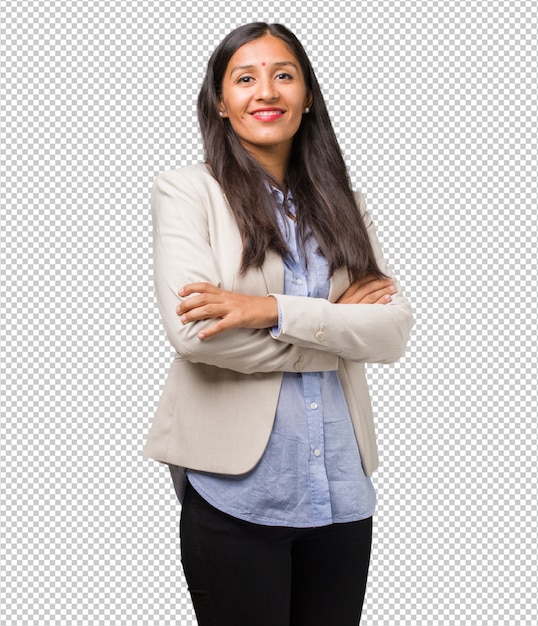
[267,115]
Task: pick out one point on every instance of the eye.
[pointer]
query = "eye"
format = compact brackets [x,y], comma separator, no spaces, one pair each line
[245,79]
[284,76]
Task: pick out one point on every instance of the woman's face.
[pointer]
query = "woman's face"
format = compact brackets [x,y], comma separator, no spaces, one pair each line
[264,95]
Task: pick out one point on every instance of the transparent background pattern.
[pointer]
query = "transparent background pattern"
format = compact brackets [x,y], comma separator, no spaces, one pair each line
[435,105]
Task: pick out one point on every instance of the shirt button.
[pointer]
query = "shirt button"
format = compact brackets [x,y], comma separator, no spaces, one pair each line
[320,335]
[299,281]
[313,405]
[316,452]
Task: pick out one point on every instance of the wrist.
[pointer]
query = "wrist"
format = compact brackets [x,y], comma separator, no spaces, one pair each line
[273,311]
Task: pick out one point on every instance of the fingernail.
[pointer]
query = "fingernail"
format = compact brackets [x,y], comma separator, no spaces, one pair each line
[184,319]
[181,291]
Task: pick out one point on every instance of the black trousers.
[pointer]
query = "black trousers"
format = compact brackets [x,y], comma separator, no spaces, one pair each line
[244,574]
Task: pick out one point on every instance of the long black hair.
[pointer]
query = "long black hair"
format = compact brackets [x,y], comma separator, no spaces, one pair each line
[316,173]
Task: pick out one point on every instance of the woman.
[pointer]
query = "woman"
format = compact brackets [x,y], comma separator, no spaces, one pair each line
[274,292]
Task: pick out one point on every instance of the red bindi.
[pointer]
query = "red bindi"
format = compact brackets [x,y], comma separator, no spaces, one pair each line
[263,63]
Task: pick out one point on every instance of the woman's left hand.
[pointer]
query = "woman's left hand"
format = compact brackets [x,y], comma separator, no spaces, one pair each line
[232,310]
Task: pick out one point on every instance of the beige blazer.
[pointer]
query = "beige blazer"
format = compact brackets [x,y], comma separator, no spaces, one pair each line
[217,408]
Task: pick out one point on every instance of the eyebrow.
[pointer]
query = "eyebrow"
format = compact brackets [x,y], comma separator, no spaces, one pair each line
[276,64]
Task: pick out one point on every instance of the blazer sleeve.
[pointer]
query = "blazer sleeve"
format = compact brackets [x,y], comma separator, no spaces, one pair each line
[182,254]
[370,333]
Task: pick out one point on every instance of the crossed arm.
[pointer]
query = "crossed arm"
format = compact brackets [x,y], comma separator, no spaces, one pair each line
[208,324]
[234,310]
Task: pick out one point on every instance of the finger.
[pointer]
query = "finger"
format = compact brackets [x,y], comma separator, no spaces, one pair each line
[356,287]
[369,279]
[191,288]
[209,311]
[363,280]
[381,296]
[194,302]
[373,287]
[372,284]
[370,293]
[211,331]
[379,283]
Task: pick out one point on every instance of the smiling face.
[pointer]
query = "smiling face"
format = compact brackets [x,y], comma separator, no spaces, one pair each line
[264,95]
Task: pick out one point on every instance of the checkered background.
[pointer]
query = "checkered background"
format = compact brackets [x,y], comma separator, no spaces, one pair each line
[435,105]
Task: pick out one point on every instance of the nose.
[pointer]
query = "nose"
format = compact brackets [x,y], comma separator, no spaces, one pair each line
[266,89]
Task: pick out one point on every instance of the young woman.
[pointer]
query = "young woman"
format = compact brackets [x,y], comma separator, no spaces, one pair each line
[274,292]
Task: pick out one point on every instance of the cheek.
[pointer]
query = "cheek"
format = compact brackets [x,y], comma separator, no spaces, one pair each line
[236,109]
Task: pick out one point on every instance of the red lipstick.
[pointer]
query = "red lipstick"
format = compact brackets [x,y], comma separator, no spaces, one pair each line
[269,114]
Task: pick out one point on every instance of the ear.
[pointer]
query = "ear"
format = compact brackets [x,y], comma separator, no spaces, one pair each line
[222,109]
[309,99]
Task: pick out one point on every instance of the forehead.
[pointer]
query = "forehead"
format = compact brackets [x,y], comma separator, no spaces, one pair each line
[265,50]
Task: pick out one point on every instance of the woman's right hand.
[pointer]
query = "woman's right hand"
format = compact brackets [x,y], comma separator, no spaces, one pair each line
[369,290]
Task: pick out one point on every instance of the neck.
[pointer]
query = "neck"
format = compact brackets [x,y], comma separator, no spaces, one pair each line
[278,172]
[275,162]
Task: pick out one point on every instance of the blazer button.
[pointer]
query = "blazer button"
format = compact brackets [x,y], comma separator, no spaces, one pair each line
[299,365]
[320,335]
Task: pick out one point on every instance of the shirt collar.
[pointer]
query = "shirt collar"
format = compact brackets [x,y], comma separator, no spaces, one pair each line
[278,193]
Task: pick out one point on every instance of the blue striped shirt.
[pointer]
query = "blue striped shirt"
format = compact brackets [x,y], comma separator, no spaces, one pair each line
[310,473]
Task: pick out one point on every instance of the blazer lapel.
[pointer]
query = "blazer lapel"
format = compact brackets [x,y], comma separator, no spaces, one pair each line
[339,283]
[258,282]
[273,272]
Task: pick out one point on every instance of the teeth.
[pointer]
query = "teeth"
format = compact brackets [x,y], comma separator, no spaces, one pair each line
[267,113]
